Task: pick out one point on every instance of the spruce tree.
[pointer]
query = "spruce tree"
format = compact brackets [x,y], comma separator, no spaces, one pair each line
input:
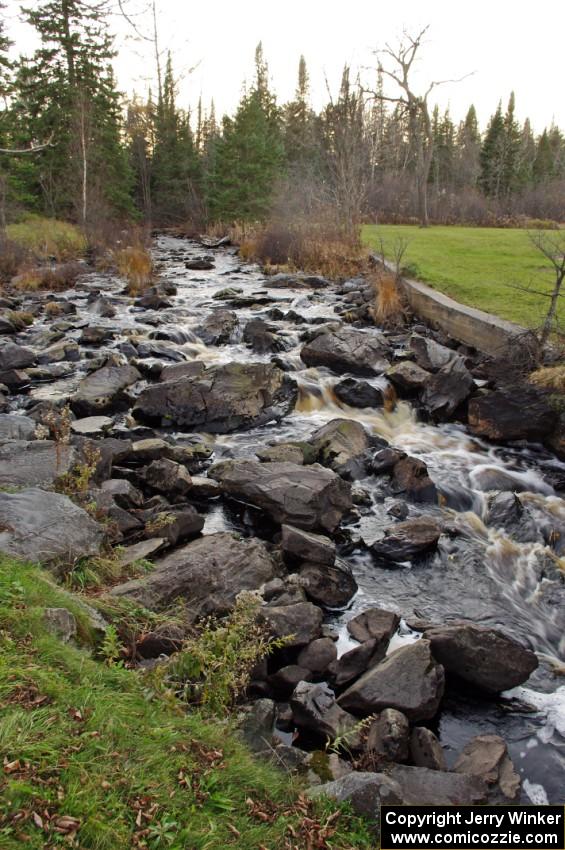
[492,156]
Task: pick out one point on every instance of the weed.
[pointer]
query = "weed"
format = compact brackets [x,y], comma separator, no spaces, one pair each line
[136,266]
[387,310]
[159,523]
[77,481]
[20,319]
[549,378]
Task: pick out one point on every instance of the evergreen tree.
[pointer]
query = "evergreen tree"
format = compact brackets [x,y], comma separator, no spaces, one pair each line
[468,147]
[301,144]
[248,158]
[511,151]
[492,156]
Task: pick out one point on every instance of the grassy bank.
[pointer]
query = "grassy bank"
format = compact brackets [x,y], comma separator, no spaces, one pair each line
[47,237]
[90,757]
[477,266]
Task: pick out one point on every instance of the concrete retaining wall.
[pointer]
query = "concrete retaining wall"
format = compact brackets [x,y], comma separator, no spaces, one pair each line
[473,327]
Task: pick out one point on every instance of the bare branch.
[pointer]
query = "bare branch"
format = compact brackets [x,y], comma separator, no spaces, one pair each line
[32,149]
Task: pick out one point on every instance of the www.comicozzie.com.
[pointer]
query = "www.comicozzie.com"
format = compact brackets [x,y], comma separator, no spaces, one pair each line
[461,827]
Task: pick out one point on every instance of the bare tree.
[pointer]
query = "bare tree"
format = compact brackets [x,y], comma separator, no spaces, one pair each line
[552,246]
[396,64]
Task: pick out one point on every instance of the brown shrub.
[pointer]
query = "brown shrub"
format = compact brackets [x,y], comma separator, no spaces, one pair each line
[20,319]
[549,378]
[387,309]
[52,309]
[55,279]
[13,258]
[136,265]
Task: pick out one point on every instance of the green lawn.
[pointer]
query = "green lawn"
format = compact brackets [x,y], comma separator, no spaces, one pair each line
[476,266]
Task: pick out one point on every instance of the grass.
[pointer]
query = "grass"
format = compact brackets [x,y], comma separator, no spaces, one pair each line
[91,757]
[48,237]
[134,263]
[476,266]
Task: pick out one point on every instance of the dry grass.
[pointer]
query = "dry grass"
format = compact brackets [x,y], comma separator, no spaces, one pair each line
[56,279]
[53,309]
[48,238]
[549,378]
[20,319]
[387,309]
[134,263]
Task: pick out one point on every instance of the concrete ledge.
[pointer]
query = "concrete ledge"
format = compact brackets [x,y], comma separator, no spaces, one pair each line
[481,330]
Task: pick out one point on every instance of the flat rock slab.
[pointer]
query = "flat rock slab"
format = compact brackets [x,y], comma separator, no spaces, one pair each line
[207,574]
[41,526]
[15,427]
[140,551]
[91,426]
[26,463]
[309,497]
[103,390]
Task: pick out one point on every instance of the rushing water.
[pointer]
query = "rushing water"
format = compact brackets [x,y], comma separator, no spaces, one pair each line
[479,573]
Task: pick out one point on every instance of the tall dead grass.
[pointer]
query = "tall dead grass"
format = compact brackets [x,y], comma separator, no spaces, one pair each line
[387,309]
[135,264]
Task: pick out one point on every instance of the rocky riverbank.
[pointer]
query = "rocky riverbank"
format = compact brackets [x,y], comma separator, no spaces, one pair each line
[391,497]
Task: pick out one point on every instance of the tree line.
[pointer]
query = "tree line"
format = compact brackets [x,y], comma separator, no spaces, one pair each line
[72,148]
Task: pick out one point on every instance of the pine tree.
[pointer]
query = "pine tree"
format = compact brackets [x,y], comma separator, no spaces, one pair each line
[512,134]
[300,141]
[492,156]
[468,146]
[248,158]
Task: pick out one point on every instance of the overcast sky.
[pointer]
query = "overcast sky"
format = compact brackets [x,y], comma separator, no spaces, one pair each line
[506,44]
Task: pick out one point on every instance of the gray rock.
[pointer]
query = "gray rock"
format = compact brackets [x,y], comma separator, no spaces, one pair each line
[258,724]
[347,350]
[342,445]
[41,526]
[431,355]
[408,378]
[448,389]
[141,551]
[314,707]
[300,622]
[408,540]
[419,786]
[309,497]
[506,511]
[318,655]
[356,661]
[426,750]
[485,657]
[486,757]
[91,426]
[324,767]
[332,587]
[409,679]
[410,478]
[175,524]
[523,415]
[204,488]
[282,453]
[16,427]
[103,390]
[286,679]
[217,327]
[167,477]
[362,790]
[32,463]
[307,546]
[123,492]
[389,736]
[262,337]
[222,399]
[175,371]
[61,623]
[359,393]
[207,574]
[374,623]
[16,357]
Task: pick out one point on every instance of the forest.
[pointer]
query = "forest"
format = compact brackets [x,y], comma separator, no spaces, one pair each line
[75,148]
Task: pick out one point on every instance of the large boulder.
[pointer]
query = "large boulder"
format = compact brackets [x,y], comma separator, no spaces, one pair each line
[262,337]
[104,390]
[409,679]
[410,478]
[342,445]
[314,707]
[330,586]
[36,462]
[14,356]
[375,623]
[506,511]
[406,541]
[448,389]
[301,622]
[389,736]
[430,355]
[347,350]
[43,526]
[485,657]
[524,415]
[217,328]
[359,393]
[310,497]
[408,378]
[16,427]
[207,574]
[221,399]
[307,546]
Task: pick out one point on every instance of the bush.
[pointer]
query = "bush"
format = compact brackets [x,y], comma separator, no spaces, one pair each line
[387,309]
[136,266]
[55,279]
[48,239]
[13,257]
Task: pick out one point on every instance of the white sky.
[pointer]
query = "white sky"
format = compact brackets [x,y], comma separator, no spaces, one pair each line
[508,44]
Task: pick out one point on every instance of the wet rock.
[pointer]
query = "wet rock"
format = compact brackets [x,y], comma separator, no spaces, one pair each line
[485,657]
[362,790]
[408,540]
[92,426]
[525,415]
[14,379]
[175,524]
[410,478]
[330,586]
[174,371]
[314,707]
[153,300]
[16,427]
[302,622]
[385,460]
[408,378]
[207,573]
[60,622]
[97,335]
[426,750]
[342,445]
[374,623]
[307,546]
[161,351]
[284,681]
[204,488]
[6,326]
[388,737]
[347,350]
[486,758]
[419,786]
[64,350]
[42,526]
[103,390]
[123,493]
[14,357]
[358,393]
[448,389]
[262,337]
[356,661]
[217,327]
[489,478]
[308,497]
[167,477]
[431,355]
[258,724]
[26,463]
[506,511]
[200,264]
[102,307]
[222,399]
[318,655]
[409,679]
